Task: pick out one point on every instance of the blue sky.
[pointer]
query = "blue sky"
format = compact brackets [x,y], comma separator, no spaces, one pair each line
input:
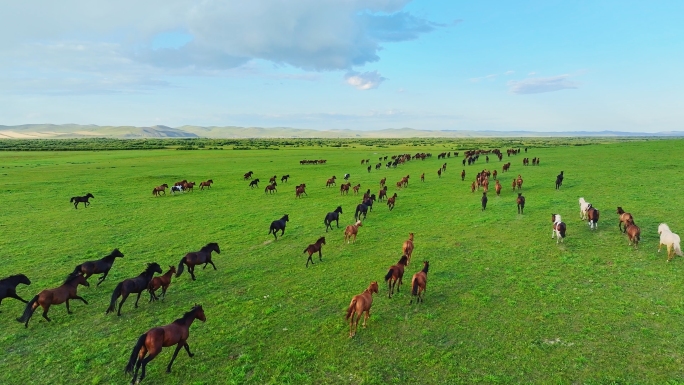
[356,64]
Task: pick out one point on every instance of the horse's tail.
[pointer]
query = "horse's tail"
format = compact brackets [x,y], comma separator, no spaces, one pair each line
[153,190]
[181,267]
[677,248]
[134,354]
[115,296]
[351,308]
[356,213]
[389,275]
[562,230]
[77,269]
[28,311]
[414,288]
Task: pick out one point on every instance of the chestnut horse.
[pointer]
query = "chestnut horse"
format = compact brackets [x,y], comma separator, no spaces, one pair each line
[521,203]
[206,184]
[331,182]
[162,281]
[189,186]
[558,228]
[519,182]
[359,304]
[356,188]
[158,189]
[625,219]
[203,256]
[271,188]
[351,231]
[382,181]
[514,184]
[101,266]
[633,233]
[463,175]
[419,283]
[131,286]
[57,296]
[155,339]
[344,188]
[382,194]
[396,273]
[422,177]
[497,188]
[273,179]
[390,201]
[494,174]
[299,190]
[315,248]
[407,248]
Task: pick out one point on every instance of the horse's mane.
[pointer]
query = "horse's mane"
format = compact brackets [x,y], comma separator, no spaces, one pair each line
[71,277]
[150,267]
[321,239]
[426,267]
[187,315]
[403,260]
[209,246]
[15,276]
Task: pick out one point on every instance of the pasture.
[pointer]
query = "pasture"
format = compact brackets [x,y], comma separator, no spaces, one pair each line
[504,303]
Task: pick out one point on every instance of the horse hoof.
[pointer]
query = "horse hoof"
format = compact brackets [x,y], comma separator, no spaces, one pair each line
[191,355]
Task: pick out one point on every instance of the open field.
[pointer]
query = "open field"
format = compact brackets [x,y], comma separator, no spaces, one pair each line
[504,303]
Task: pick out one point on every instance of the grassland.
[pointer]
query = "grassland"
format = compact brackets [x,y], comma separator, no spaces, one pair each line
[504,303]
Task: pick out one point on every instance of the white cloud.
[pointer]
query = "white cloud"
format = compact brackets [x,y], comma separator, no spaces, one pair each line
[509,72]
[488,77]
[364,81]
[539,85]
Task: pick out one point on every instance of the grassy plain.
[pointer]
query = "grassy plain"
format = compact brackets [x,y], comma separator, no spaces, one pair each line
[504,303]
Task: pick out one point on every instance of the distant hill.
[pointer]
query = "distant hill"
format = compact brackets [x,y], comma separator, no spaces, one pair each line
[53,131]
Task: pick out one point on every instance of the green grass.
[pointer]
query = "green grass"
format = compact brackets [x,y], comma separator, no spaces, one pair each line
[504,303]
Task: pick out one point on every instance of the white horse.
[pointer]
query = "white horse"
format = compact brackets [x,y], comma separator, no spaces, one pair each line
[584,207]
[558,228]
[670,240]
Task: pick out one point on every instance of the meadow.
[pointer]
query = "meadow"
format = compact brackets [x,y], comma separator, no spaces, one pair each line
[504,303]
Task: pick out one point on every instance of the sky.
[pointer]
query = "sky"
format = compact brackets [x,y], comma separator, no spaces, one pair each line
[345,64]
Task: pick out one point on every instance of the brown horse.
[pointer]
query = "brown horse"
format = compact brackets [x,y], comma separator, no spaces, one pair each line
[315,248]
[473,186]
[519,182]
[382,181]
[271,188]
[463,174]
[382,194]
[184,181]
[625,219]
[422,177]
[131,286]
[359,304]
[633,233]
[497,188]
[189,186]
[391,201]
[494,174]
[101,266]
[407,248]
[419,283]
[299,190]
[155,339]
[206,184]
[159,189]
[248,175]
[162,281]
[57,296]
[272,179]
[356,188]
[514,184]
[331,182]
[439,172]
[197,258]
[396,273]
[521,203]
[344,188]
[351,231]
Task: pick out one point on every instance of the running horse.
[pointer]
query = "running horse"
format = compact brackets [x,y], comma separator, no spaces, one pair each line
[333,216]
[331,182]
[395,274]
[497,188]
[56,296]
[419,283]
[158,189]
[382,181]
[248,175]
[162,282]
[559,180]
[273,179]
[299,190]
[271,188]
[254,183]
[203,256]
[279,225]
[351,231]
[625,219]
[83,199]
[593,217]
[101,266]
[315,248]
[667,238]
[356,188]
[131,286]
[8,286]
[382,194]
[519,182]
[391,201]
[521,203]
[361,304]
[284,178]
[558,228]
[155,339]
[407,248]
[514,184]
[422,177]
[463,174]
[206,184]
[633,234]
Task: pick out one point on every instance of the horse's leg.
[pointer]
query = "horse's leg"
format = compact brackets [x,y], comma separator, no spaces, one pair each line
[351,326]
[309,259]
[144,364]
[205,265]
[46,308]
[175,353]
[212,264]
[164,291]
[15,296]
[102,278]
[366,318]
[187,349]
[191,270]
[137,299]
[123,299]
[338,223]
[67,306]
[320,255]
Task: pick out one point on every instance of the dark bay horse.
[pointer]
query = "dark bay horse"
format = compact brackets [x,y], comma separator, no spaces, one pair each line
[197,258]
[248,175]
[419,283]
[162,281]
[8,286]
[131,286]
[559,180]
[56,296]
[284,178]
[313,249]
[254,183]
[83,199]
[361,304]
[521,203]
[333,216]
[396,273]
[152,342]
[271,188]
[279,225]
[101,266]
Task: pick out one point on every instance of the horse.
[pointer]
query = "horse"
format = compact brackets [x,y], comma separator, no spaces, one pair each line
[633,234]
[181,183]
[422,177]
[463,174]
[352,230]
[559,180]
[162,281]
[396,273]
[279,225]
[667,238]
[284,178]
[514,184]
[419,283]
[382,182]
[152,342]
[206,184]
[189,186]
[521,203]
[382,193]
[625,218]
[359,304]
[331,182]
[344,188]
[407,248]
[248,175]
[497,188]
[83,199]
[299,190]
[593,217]
[271,188]
[584,206]
[101,266]
[473,186]
[273,179]
[8,286]
[484,201]
[439,173]
[519,182]
[203,256]
[558,228]
[390,202]
[158,189]
[333,216]
[369,168]
[346,176]
[254,183]
[315,248]
[56,296]
[493,174]
[175,189]
[356,188]
[133,285]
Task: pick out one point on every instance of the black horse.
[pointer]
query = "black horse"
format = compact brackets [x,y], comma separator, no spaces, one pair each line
[8,286]
[279,225]
[83,199]
[133,285]
[521,203]
[254,183]
[333,216]
[369,202]
[559,180]
[284,178]
[484,201]
[197,258]
[101,266]
[363,208]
